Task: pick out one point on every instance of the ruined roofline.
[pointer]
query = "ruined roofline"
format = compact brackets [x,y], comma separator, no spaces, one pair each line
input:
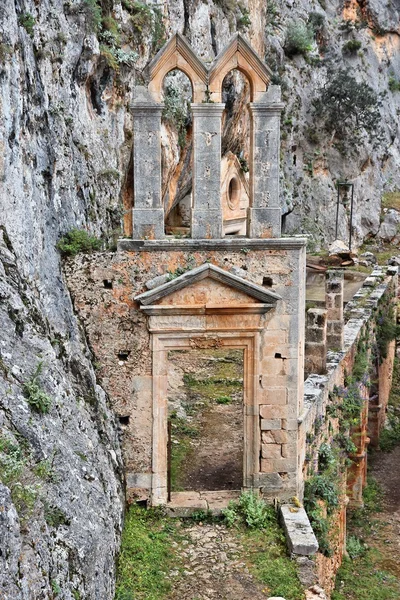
[213,272]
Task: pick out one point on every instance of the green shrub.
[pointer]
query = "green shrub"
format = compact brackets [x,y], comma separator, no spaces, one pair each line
[251,510]
[351,47]
[390,436]
[78,240]
[27,21]
[243,21]
[35,396]
[386,331]
[299,38]
[394,84]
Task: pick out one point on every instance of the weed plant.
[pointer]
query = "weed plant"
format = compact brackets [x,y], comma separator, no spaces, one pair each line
[34,394]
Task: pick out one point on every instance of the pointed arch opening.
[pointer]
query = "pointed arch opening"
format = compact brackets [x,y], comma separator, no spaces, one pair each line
[235,161]
[176,152]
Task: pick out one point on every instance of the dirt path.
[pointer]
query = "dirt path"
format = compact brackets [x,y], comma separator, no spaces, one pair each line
[212,568]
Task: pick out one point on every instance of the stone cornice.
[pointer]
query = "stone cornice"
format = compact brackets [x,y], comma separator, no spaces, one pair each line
[237,244]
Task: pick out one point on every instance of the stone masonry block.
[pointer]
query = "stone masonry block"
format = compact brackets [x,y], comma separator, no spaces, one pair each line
[270,424]
[148,223]
[277,396]
[273,412]
[271,450]
[279,436]
[265,222]
[206,224]
[298,531]
[267,437]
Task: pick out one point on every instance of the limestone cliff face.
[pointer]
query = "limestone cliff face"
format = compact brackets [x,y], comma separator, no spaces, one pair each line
[67,73]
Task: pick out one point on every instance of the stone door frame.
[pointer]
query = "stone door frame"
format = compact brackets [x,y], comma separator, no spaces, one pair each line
[161,344]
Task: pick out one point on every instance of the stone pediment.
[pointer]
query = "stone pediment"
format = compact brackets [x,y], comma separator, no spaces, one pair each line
[208,288]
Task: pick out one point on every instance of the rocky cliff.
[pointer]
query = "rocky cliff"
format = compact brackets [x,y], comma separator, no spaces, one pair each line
[67,73]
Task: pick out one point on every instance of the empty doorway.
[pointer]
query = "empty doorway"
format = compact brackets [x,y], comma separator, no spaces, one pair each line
[206,419]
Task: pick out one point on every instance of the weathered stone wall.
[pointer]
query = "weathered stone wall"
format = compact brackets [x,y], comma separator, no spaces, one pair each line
[114,323]
[320,422]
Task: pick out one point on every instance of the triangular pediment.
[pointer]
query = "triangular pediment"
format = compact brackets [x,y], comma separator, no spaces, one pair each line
[238,46]
[224,288]
[178,50]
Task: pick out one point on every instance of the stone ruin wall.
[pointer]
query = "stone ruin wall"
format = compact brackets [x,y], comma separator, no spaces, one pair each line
[114,324]
[360,316]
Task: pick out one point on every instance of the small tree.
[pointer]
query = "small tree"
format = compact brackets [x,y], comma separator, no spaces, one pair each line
[348,107]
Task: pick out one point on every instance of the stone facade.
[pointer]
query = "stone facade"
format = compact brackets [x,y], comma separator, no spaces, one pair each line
[130,338]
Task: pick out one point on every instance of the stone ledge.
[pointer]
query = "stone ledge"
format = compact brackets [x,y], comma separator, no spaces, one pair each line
[299,534]
[237,244]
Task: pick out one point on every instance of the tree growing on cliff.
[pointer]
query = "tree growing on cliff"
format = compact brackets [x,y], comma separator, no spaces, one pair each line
[348,107]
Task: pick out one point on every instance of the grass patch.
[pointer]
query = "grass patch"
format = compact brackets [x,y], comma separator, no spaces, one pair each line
[366,578]
[267,559]
[146,555]
[391,200]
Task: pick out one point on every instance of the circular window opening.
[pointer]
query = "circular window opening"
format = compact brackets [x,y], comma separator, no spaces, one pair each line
[234,192]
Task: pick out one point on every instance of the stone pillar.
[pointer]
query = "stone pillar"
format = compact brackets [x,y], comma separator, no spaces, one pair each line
[334,285]
[315,346]
[148,212]
[207,207]
[265,211]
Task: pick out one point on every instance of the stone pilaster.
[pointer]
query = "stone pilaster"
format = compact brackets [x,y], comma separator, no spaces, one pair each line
[207,208]
[334,285]
[315,346]
[265,211]
[148,212]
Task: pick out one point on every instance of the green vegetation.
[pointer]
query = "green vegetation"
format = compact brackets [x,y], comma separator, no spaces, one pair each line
[93,14]
[176,111]
[346,107]
[146,555]
[390,436]
[13,474]
[27,21]
[365,578]
[78,240]
[316,21]
[5,52]
[386,330]
[391,200]
[249,510]
[394,84]
[54,516]
[351,47]
[299,38]
[223,399]
[35,396]
[146,20]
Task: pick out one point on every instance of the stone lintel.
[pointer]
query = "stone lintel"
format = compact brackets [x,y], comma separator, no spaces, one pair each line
[207,309]
[299,534]
[238,244]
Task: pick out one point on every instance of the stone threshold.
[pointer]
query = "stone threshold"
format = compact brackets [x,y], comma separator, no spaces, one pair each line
[183,504]
[235,244]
